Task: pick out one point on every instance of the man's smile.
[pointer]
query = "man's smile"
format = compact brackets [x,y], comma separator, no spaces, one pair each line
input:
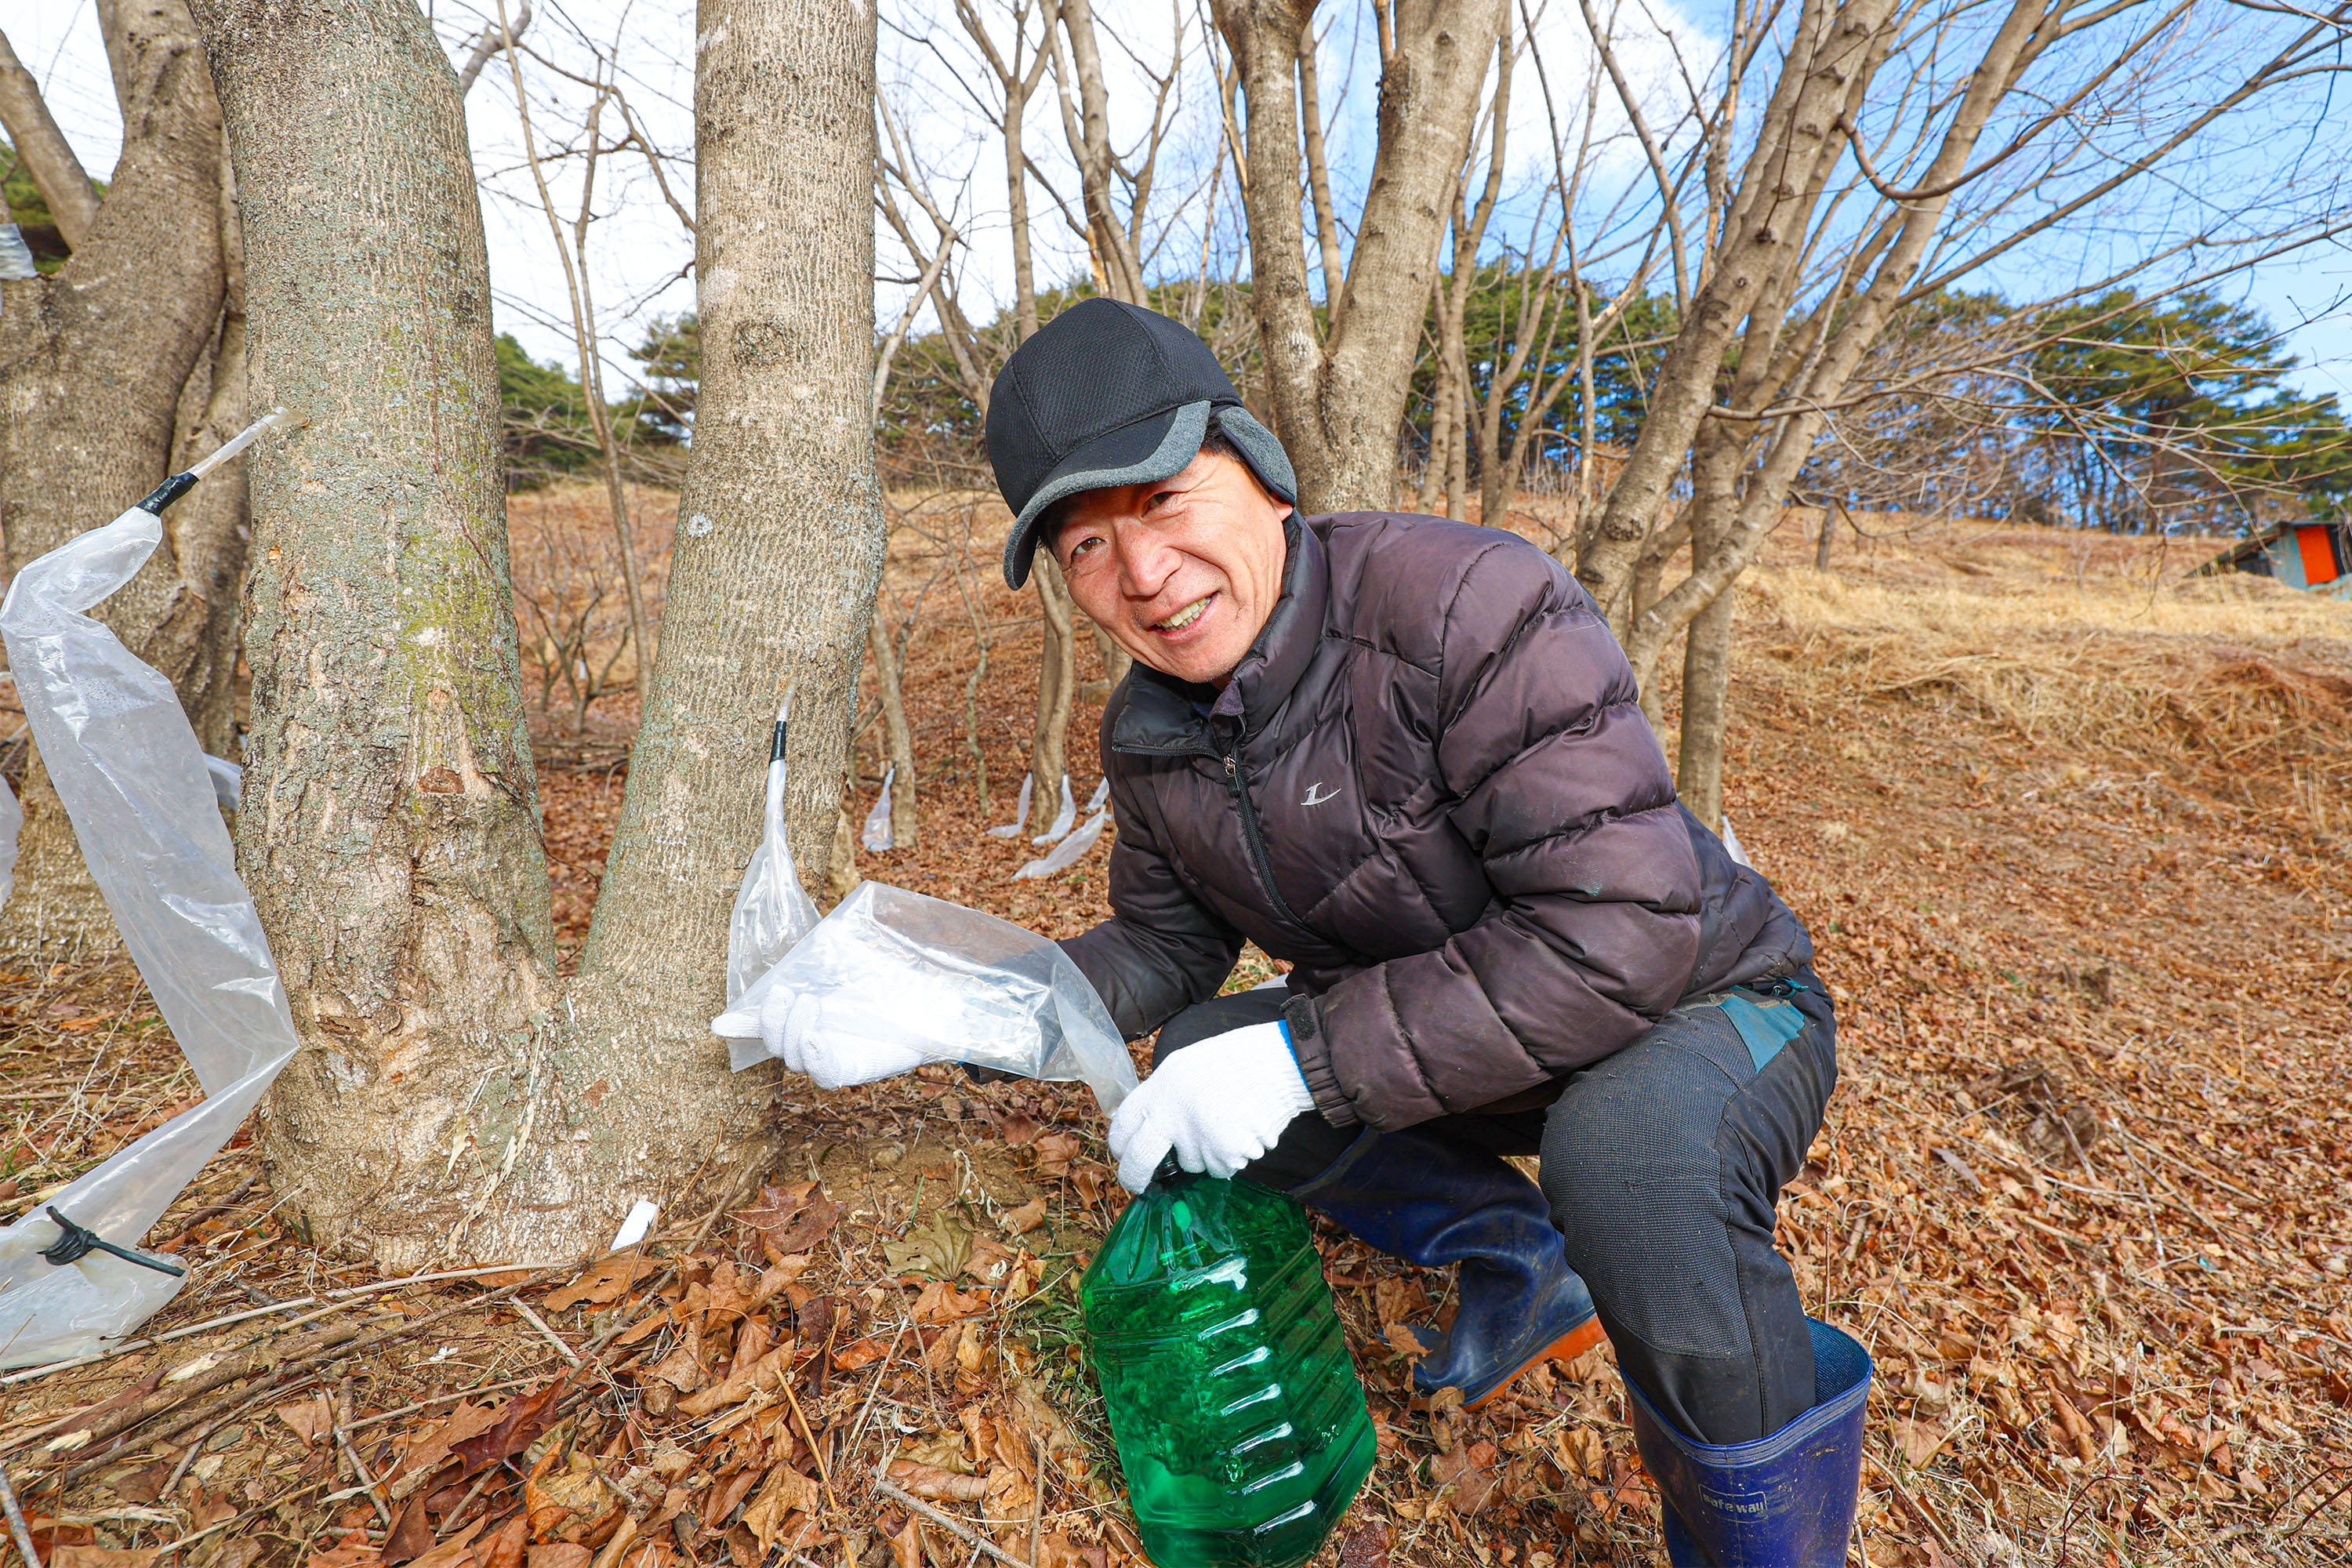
[1184,618]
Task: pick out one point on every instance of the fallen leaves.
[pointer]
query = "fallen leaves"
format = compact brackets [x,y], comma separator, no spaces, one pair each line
[1470,1471]
[937,1247]
[1920,1441]
[932,1481]
[768,1372]
[519,1425]
[308,1419]
[792,1217]
[787,1493]
[605,1282]
[941,1302]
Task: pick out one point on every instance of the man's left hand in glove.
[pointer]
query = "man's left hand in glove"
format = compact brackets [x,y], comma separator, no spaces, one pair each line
[1217,1105]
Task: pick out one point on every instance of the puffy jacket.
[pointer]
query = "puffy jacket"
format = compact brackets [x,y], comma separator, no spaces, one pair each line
[1429,786]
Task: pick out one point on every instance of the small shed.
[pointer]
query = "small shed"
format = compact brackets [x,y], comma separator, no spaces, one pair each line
[2316,556]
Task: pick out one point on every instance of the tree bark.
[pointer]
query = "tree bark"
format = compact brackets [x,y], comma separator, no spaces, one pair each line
[1338,399]
[208,528]
[1112,244]
[93,362]
[451,1101]
[1707,647]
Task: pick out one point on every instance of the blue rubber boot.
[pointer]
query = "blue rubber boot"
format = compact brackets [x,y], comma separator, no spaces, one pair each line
[1783,1501]
[1432,1202]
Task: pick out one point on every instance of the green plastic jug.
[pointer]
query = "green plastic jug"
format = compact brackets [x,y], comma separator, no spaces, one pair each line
[1241,1425]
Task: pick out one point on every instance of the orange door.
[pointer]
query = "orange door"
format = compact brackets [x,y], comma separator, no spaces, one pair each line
[2318,555]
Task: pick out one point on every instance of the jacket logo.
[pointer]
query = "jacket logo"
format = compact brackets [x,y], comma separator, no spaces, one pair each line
[1314,795]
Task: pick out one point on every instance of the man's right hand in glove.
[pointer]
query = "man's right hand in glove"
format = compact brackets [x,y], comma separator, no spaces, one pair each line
[1216,1106]
[793,1027]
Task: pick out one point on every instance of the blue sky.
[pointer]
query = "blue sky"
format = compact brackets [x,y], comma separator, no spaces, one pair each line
[641,259]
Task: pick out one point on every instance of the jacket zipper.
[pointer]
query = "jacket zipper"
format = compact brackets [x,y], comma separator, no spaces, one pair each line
[1256,842]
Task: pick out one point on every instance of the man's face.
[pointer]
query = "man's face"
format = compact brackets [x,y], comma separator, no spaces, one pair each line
[1183,572]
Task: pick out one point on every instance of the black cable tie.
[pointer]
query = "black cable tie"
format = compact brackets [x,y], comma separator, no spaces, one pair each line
[76,1242]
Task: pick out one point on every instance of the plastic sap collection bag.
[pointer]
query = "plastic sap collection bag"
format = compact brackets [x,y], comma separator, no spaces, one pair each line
[773,910]
[875,833]
[12,818]
[902,970]
[1020,810]
[1063,815]
[126,764]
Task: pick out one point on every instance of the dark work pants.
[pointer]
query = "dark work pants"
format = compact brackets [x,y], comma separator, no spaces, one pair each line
[1663,1164]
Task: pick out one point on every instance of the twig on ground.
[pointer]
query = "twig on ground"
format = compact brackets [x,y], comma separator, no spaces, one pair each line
[536,1321]
[342,1418]
[381,1416]
[17,1525]
[947,1522]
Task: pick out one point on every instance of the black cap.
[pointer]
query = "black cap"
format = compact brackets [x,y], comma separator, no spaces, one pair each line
[1110,393]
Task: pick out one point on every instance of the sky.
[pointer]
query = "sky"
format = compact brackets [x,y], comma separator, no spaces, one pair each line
[640,255]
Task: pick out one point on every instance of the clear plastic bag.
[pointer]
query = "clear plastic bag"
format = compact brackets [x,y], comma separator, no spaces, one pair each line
[12,818]
[1063,815]
[126,764]
[16,255]
[901,969]
[1020,810]
[877,835]
[773,910]
[1065,854]
[228,781]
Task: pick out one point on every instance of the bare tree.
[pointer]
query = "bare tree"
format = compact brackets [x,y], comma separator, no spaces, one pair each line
[454,1099]
[1898,150]
[1339,381]
[127,358]
[585,335]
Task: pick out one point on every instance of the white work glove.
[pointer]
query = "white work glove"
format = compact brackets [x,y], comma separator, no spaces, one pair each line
[793,1024]
[1218,1105]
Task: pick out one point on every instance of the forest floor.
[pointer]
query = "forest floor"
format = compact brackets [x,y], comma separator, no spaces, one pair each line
[2075,841]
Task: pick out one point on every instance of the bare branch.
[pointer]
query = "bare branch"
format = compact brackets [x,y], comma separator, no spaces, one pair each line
[48,156]
[490,41]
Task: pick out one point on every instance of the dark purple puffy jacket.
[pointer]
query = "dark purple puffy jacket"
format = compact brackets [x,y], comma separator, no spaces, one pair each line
[1430,787]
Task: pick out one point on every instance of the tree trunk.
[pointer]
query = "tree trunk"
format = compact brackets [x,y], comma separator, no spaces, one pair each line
[1338,399]
[778,592]
[389,831]
[1116,660]
[93,361]
[208,530]
[1443,405]
[1709,519]
[897,735]
[1706,685]
[451,1101]
[1057,688]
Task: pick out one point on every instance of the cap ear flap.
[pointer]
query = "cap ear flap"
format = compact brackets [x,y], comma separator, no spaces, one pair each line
[1259,448]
